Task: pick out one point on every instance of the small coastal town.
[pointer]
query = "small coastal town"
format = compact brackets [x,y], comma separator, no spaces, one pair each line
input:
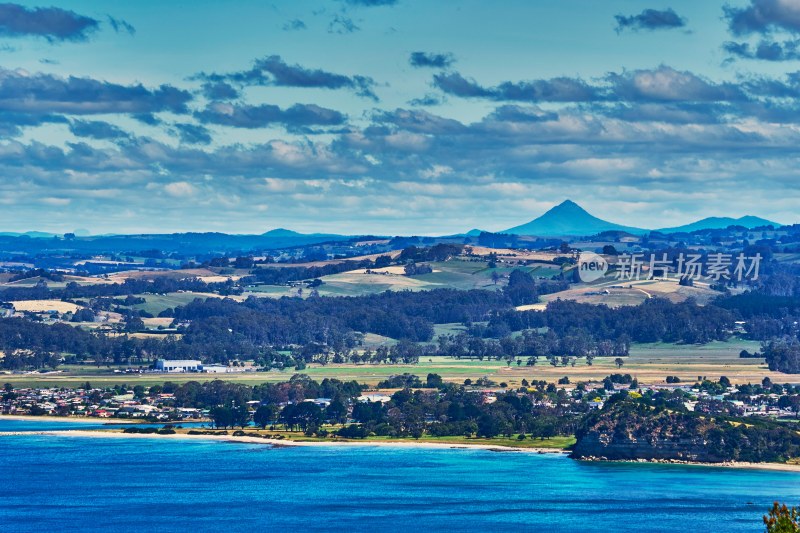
[156,404]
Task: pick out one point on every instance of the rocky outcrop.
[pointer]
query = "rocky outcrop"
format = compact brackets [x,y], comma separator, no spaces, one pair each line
[631,430]
[601,446]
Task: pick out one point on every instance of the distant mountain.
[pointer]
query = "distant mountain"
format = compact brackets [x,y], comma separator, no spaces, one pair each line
[281,232]
[568,218]
[470,233]
[721,223]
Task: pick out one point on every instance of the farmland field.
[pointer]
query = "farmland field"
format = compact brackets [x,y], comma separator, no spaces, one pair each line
[649,363]
[454,273]
[42,306]
[155,303]
[616,293]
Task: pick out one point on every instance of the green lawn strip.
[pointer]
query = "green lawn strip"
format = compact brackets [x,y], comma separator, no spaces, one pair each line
[554,443]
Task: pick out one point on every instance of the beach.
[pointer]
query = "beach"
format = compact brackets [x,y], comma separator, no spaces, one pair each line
[283,442]
[777,467]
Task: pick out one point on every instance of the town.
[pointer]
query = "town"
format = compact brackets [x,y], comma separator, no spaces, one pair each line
[158,403]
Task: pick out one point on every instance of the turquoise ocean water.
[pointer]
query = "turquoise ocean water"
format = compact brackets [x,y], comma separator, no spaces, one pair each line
[63,483]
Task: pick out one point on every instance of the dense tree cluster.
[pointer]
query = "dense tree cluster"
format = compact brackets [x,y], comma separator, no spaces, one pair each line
[283,275]
[531,345]
[522,289]
[31,344]
[220,393]
[415,269]
[779,279]
[439,252]
[458,411]
[52,275]
[654,320]
[767,316]
[399,315]
[782,355]
[754,303]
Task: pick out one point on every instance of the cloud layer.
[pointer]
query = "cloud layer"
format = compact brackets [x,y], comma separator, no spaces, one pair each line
[46,93]
[273,70]
[424,59]
[343,116]
[51,23]
[650,19]
[764,16]
[246,116]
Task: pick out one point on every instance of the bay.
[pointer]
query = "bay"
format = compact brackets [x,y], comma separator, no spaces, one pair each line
[68,483]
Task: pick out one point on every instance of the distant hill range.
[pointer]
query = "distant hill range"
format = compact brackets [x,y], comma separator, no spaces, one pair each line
[748,222]
[185,243]
[570,219]
[567,219]
[31,234]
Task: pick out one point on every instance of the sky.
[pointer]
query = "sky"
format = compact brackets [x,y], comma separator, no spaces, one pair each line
[395,117]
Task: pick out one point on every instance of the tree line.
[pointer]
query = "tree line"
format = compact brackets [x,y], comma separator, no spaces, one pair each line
[654,320]
[130,286]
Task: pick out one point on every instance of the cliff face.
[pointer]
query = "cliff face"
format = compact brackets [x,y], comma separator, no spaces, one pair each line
[598,445]
[631,430]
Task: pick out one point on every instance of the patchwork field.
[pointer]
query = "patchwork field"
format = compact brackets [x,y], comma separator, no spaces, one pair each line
[204,274]
[31,282]
[461,274]
[355,283]
[615,293]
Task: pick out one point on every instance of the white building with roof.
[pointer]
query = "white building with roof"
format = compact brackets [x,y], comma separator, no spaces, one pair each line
[178,365]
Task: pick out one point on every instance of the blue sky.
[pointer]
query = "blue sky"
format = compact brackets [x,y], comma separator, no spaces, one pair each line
[395,116]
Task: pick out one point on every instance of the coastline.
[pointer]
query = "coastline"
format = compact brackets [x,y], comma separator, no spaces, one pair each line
[777,467]
[284,442]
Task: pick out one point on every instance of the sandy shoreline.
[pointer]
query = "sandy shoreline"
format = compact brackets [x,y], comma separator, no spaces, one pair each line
[282,442]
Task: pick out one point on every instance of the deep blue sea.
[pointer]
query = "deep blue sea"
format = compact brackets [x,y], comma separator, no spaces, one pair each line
[61,483]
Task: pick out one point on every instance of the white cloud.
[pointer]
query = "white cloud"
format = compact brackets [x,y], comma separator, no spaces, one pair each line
[180,189]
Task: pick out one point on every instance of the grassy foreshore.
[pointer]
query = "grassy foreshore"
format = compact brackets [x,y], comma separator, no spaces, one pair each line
[554,443]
